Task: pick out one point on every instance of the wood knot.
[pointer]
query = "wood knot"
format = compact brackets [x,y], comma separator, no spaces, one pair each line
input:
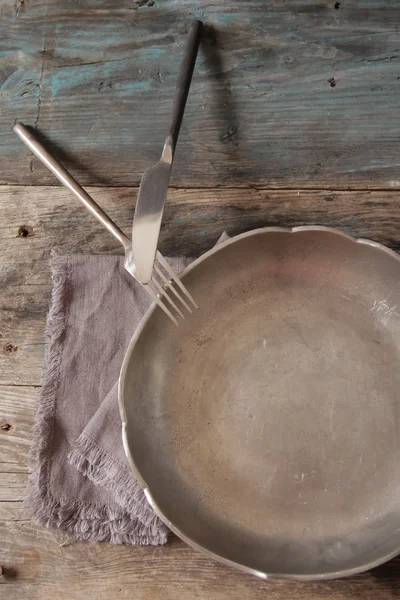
[9,348]
[25,231]
[7,573]
[103,86]
[338,5]
[5,427]
[230,136]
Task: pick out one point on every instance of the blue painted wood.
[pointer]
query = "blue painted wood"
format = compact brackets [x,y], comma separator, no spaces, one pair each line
[285,93]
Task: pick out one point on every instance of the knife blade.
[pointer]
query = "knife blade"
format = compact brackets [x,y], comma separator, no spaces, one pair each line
[154,184]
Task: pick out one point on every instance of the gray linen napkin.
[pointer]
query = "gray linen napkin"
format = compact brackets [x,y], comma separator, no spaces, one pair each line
[80,479]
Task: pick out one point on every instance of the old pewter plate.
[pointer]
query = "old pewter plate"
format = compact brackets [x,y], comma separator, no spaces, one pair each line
[265,428]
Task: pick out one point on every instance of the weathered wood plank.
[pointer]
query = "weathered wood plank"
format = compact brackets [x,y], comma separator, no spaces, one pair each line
[194,219]
[12,486]
[285,93]
[38,567]
[36,219]
[11,467]
[21,60]
[12,511]
[17,409]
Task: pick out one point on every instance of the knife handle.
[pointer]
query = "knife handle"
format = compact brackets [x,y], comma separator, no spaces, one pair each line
[184,79]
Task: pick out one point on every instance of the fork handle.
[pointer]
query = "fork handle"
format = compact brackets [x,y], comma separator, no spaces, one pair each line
[70,183]
[184,80]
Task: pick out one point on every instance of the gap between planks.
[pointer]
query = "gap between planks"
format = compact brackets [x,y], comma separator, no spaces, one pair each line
[219,188]
[21,385]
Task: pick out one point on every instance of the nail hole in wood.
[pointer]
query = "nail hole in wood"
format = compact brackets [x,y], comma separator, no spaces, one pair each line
[9,348]
[7,573]
[25,231]
[332,81]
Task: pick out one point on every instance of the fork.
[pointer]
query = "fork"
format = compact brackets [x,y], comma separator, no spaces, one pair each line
[165,285]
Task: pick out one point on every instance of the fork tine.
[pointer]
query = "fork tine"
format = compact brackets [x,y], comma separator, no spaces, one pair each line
[163,294]
[174,276]
[156,299]
[171,287]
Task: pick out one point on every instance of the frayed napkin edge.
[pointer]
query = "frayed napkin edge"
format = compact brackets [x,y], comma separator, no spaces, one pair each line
[93,462]
[89,522]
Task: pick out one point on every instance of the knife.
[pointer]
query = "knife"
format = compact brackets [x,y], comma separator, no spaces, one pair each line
[155,180]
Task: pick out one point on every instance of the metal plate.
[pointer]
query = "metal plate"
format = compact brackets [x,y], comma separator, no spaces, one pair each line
[265,428]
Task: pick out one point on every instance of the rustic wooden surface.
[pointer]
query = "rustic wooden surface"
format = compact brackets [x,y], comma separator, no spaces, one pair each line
[36,563]
[293,119]
[285,92]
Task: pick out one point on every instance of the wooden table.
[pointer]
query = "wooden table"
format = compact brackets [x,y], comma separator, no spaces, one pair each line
[293,118]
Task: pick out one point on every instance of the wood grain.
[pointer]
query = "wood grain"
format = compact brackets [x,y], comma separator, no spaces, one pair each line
[285,93]
[194,219]
[41,567]
[12,487]
[17,409]
[12,511]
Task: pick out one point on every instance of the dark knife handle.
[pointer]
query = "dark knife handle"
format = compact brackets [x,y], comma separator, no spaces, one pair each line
[184,79]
